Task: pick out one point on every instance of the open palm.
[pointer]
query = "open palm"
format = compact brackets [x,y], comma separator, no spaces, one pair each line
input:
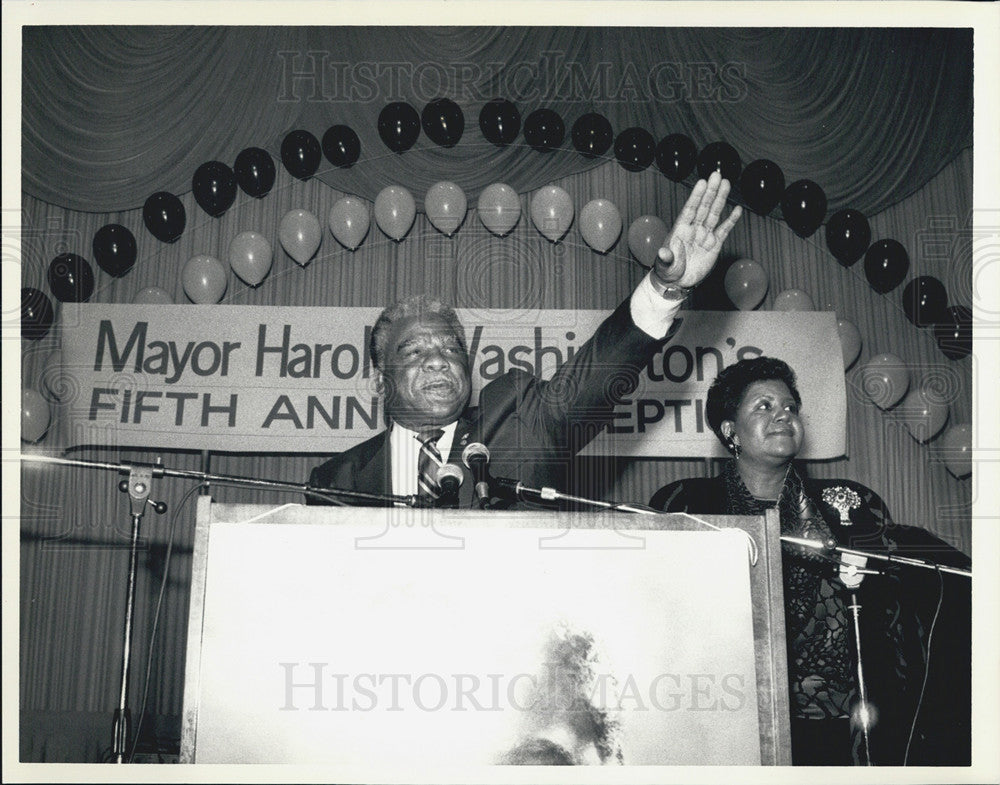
[693,245]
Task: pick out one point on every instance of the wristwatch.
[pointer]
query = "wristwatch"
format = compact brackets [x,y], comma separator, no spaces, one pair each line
[668,291]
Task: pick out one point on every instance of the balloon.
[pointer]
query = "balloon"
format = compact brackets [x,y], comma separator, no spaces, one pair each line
[600,224]
[443,122]
[500,121]
[300,235]
[395,211]
[71,278]
[255,171]
[850,341]
[552,212]
[635,149]
[114,249]
[499,208]
[164,216]
[646,237]
[349,221]
[399,126]
[300,153]
[36,314]
[885,379]
[250,257]
[956,449]
[803,206]
[923,415]
[214,187]
[762,184]
[204,279]
[793,300]
[341,146]
[53,376]
[954,333]
[445,205]
[886,263]
[925,301]
[676,156]
[35,416]
[153,295]
[722,158]
[746,284]
[544,130]
[592,135]
[847,236]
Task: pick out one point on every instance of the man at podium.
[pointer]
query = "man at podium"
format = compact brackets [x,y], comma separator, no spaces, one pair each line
[530,429]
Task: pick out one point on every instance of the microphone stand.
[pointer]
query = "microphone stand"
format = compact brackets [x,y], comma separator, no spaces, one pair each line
[138,486]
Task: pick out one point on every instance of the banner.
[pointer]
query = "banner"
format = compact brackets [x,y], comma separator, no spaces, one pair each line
[294,379]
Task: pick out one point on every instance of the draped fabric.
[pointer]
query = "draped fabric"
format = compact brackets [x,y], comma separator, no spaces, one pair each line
[114,114]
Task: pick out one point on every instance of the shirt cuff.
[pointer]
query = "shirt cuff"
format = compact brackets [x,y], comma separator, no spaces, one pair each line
[652,313]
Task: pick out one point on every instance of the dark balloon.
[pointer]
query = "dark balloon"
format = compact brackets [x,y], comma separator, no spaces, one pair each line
[848,236]
[886,264]
[36,314]
[115,249]
[399,126]
[954,333]
[592,135]
[300,154]
[71,278]
[762,184]
[803,206]
[255,171]
[214,187]
[544,130]
[500,121]
[722,158]
[341,146]
[925,301]
[443,122]
[635,149]
[164,216]
[676,156]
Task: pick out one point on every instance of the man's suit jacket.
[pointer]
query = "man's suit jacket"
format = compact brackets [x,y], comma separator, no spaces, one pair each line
[532,428]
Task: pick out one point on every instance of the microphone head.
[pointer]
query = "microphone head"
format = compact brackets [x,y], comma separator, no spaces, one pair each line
[475,452]
[447,474]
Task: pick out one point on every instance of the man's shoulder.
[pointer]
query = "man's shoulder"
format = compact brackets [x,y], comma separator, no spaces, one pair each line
[358,455]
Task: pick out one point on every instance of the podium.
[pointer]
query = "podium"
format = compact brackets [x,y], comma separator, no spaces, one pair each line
[370,637]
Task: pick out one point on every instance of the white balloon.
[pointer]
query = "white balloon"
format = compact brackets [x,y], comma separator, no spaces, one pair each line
[923,415]
[793,300]
[850,341]
[552,212]
[300,235]
[395,211]
[153,295]
[35,416]
[746,284]
[956,449]
[646,236]
[445,205]
[499,208]
[205,279]
[250,257]
[600,224]
[349,221]
[885,379]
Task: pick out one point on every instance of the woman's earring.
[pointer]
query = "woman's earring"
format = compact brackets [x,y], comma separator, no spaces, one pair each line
[734,446]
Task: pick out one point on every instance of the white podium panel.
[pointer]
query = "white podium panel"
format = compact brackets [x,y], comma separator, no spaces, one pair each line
[363,636]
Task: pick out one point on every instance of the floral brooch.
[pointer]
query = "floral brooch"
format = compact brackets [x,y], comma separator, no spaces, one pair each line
[843,500]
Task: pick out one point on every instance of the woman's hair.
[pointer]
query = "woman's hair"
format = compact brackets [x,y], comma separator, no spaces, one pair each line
[729,387]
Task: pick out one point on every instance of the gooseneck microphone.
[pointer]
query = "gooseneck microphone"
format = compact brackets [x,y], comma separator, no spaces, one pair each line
[449,478]
[476,457]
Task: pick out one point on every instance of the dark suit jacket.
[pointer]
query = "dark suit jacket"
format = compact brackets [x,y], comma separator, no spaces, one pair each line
[532,428]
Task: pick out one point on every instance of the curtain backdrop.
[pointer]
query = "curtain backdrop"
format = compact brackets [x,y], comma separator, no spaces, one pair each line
[114,114]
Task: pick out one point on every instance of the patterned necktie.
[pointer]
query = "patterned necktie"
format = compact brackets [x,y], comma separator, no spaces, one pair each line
[427,463]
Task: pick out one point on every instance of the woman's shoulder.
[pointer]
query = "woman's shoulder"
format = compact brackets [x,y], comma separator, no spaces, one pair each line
[695,494]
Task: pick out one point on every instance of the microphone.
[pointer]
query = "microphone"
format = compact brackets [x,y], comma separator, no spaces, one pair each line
[449,478]
[476,457]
